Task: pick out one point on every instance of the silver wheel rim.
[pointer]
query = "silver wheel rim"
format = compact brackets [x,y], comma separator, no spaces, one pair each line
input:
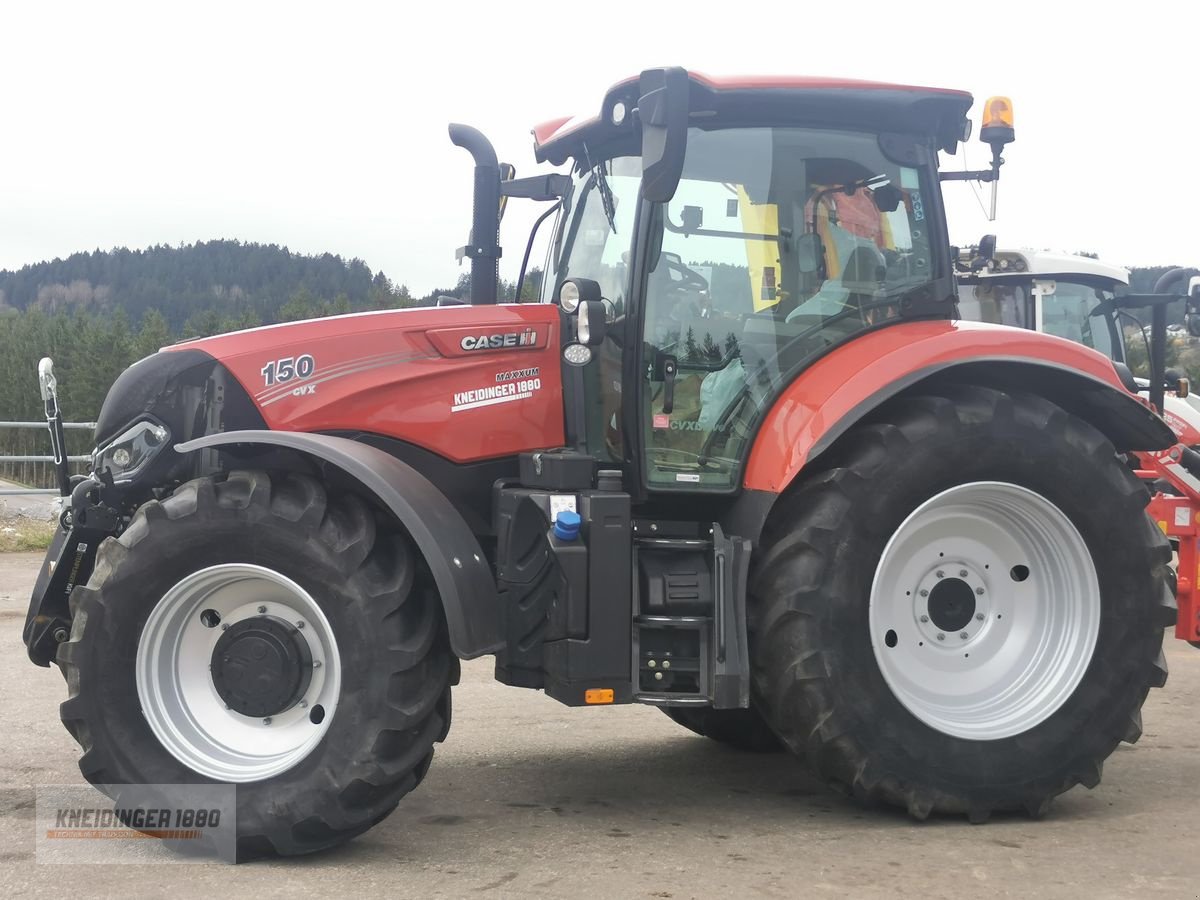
[179,699]
[1022,641]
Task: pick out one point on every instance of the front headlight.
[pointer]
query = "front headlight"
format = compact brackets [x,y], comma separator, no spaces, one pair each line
[130,451]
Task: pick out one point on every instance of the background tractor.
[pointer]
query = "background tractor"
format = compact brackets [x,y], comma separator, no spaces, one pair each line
[1073,297]
[742,464]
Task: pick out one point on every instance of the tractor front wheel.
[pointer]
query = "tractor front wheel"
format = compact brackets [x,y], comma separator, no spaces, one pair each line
[259,631]
[964,610]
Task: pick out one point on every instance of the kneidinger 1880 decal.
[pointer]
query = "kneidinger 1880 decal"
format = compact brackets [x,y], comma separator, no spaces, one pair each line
[520,384]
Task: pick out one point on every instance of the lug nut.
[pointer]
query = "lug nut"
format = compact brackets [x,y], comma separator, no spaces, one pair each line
[267,720]
[940,574]
[924,618]
[666,664]
[300,624]
[979,590]
[978,617]
[963,635]
[224,626]
[962,573]
[304,704]
[316,664]
[924,593]
[658,676]
[652,664]
[261,610]
[941,637]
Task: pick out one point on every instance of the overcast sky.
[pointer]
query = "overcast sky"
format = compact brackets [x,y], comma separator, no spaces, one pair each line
[323,126]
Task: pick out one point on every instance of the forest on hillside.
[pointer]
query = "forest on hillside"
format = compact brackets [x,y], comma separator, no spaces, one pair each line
[97,312]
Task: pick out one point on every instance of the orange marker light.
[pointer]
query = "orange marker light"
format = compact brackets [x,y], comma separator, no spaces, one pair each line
[598,695]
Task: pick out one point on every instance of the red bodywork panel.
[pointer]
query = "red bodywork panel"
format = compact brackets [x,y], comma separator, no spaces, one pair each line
[834,386]
[465,382]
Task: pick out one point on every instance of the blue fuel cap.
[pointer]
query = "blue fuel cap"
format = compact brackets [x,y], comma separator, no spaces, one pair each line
[566,525]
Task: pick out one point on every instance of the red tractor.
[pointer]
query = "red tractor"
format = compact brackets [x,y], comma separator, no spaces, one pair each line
[741,464]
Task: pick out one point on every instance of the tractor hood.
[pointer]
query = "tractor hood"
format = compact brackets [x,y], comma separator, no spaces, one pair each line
[465,382]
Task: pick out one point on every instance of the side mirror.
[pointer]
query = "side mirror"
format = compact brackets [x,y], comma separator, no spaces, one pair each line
[590,323]
[984,253]
[1191,314]
[810,253]
[887,198]
[663,111]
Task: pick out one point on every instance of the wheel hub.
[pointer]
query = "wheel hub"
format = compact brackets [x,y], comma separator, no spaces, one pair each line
[261,666]
[951,604]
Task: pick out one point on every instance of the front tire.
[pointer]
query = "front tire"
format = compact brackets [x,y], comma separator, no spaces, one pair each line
[1001,690]
[164,663]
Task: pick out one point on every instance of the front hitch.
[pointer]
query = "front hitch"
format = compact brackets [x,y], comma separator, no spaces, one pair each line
[84,522]
[69,562]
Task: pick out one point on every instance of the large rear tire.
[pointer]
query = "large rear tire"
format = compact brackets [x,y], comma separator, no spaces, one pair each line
[162,673]
[964,611]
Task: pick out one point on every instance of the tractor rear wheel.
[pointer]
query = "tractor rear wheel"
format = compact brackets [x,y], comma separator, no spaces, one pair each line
[964,611]
[254,630]
[742,729]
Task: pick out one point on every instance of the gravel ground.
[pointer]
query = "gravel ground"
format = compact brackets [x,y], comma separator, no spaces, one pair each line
[531,799]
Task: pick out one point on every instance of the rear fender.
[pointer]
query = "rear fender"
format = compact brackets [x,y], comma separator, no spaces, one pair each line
[845,386]
[460,570]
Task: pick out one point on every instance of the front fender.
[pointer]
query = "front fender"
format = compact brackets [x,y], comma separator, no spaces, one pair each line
[841,388]
[460,570]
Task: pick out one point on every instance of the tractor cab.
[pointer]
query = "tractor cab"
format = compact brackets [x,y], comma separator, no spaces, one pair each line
[732,232]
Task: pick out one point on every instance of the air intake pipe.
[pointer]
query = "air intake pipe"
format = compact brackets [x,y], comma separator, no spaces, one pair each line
[483,245]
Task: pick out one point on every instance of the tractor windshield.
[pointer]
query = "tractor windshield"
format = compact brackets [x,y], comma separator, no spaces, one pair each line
[1071,312]
[778,244]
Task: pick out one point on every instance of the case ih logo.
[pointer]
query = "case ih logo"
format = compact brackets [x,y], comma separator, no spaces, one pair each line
[526,338]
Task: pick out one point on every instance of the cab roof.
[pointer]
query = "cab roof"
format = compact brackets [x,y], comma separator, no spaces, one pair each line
[941,110]
[1049,263]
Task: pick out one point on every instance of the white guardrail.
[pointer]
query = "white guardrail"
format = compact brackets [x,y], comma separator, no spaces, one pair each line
[14,491]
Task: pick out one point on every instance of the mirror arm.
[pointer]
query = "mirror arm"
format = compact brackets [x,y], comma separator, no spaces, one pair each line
[537,187]
[706,232]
